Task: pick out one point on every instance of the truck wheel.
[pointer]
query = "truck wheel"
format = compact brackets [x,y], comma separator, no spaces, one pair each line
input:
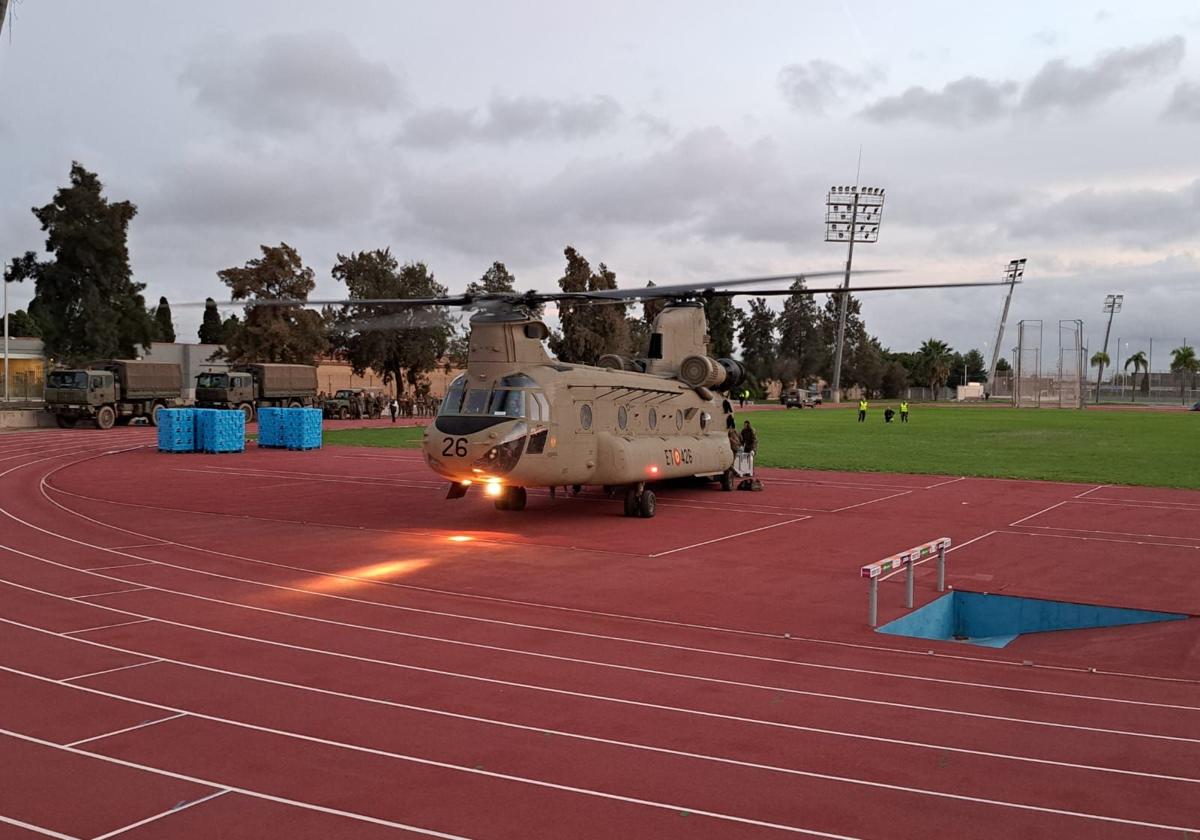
[295,404]
[105,417]
[247,410]
[344,414]
[153,417]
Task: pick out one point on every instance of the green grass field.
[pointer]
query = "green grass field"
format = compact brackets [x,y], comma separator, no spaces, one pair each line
[1110,447]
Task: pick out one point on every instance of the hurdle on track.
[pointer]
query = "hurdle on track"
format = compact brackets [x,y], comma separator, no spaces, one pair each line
[908,560]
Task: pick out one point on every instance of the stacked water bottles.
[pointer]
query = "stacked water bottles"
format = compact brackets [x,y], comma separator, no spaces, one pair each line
[176,430]
[289,428]
[220,430]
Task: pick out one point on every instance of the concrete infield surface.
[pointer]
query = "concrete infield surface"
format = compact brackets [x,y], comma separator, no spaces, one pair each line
[318,645]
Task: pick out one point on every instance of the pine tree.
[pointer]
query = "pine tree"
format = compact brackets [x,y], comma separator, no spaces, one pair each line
[85,300]
[211,330]
[162,319]
[757,337]
[274,333]
[496,280]
[723,319]
[588,331]
[801,350]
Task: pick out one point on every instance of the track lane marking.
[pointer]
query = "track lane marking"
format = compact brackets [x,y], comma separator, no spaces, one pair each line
[102,626]
[444,765]
[534,687]
[1114,533]
[690,649]
[36,829]
[281,800]
[731,536]
[102,594]
[790,727]
[1039,513]
[107,670]
[872,501]
[162,814]
[1096,539]
[104,735]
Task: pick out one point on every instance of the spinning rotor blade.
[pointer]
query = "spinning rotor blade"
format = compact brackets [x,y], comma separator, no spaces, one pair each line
[832,290]
[699,289]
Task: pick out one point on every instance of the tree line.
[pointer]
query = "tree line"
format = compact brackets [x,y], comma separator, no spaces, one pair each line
[88,306]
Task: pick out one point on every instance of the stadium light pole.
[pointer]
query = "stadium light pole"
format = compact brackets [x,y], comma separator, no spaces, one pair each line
[1014,272]
[1112,305]
[6,282]
[852,214]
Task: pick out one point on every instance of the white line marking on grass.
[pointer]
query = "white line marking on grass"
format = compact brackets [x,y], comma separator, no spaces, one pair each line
[111,670]
[142,725]
[281,800]
[36,829]
[731,536]
[159,816]
[106,626]
[772,724]
[542,783]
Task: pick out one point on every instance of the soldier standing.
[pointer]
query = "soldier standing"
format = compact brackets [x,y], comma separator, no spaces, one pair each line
[904,411]
[862,410]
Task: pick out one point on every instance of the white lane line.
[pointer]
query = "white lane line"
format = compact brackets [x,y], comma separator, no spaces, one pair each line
[1093,490]
[1115,533]
[112,592]
[1039,513]
[944,483]
[566,692]
[36,829]
[553,657]
[281,800]
[771,724]
[141,725]
[108,626]
[121,565]
[1097,539]
[872,501]
[731,536]
[444,765]
[159,816]
[139,545]
[409,586]
[110,670]
[1180,507]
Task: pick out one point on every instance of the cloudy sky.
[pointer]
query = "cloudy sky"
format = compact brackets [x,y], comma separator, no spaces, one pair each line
[675,141]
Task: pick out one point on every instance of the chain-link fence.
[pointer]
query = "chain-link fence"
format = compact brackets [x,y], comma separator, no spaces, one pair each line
[1140,373]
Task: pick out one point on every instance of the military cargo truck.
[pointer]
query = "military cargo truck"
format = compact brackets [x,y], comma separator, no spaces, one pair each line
[113,392]
[251,387]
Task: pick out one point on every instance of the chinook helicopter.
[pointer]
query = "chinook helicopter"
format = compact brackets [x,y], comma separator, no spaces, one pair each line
[518,418]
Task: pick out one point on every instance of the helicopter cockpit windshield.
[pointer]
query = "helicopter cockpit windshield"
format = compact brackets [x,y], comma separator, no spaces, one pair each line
[516,396]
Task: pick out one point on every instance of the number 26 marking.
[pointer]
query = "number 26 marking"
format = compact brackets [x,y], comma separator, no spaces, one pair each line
[454,446]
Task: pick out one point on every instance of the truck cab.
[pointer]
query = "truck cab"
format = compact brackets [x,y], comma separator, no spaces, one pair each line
[232,389]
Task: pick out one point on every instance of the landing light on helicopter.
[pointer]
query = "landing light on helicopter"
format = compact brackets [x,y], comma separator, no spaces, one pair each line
[493,488]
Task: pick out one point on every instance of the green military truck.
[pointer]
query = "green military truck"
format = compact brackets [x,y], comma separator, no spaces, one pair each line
[251,387]
[355,404]
[113,392]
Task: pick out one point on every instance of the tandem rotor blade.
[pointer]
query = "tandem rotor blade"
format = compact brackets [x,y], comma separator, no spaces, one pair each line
[832,290]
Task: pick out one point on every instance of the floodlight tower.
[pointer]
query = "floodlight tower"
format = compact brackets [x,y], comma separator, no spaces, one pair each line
[1112,305]
[852,214]
[1014,272]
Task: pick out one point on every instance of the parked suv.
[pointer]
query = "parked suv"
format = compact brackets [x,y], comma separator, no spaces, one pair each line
[799,398]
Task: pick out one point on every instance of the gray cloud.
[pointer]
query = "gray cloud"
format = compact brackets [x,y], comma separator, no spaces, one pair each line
[1134,218]
[505,119]
[1185,103]
[960,103]
[1059,85]
[813,86]
[287,82]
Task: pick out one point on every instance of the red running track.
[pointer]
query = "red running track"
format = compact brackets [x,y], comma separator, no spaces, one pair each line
[317,645]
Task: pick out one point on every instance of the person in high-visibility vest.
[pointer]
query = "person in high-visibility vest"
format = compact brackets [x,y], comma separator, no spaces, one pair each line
[904,411]
[862,410]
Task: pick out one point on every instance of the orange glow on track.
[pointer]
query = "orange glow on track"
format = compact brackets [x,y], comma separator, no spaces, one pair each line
[460,538]
[351,578]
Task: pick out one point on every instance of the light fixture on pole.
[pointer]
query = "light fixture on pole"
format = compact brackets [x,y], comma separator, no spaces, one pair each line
[852,214]
[1014,273]
[1112,305]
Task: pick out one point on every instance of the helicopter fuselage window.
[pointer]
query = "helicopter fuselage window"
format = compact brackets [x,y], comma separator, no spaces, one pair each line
[653,419]
[476,401]
[622,417]
[453,401]
[508,404]
[585,416]
[679,419]
[656,351]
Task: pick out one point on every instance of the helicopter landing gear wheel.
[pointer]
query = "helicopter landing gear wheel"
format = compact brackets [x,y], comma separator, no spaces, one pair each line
[639,501]
[513,498]
[727,480]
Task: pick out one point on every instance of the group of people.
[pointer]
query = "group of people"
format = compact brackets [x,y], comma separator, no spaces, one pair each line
[888,413]
[366,405]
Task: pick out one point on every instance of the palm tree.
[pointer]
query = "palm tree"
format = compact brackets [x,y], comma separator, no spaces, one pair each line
[1099,360]
[1183,360]
[935,359]
[1140,365]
